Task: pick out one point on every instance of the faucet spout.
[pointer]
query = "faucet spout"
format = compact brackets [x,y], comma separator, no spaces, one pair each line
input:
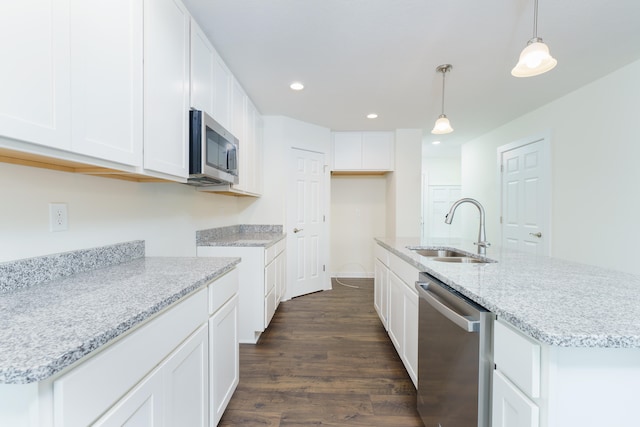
[482,236]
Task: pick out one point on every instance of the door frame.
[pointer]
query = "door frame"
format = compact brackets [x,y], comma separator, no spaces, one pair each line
[324,245]
[545,155]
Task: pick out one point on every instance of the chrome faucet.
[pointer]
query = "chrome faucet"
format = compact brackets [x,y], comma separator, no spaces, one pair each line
[482,235]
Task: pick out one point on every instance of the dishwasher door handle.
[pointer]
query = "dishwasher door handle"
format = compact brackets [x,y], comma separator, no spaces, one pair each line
[460,320]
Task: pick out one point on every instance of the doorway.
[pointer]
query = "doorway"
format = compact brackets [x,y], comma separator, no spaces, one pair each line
[525,190]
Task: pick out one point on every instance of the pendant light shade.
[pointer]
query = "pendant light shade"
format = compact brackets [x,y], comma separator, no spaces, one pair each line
[442,125]
[535,58]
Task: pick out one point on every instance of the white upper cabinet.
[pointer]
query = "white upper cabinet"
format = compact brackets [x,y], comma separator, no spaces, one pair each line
[222,81]
[202,70]
[363,151]
[166,87]
[35,104]
[238,129]
[106,79]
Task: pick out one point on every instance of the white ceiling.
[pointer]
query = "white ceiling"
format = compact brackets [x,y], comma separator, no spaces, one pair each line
[362,56]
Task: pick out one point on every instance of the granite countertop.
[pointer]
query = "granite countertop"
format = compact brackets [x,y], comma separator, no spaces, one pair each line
[557,302]
[48,325]
[246,235]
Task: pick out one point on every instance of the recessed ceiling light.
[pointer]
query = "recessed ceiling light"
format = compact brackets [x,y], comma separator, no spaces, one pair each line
[296,86]
[435,142]
[372,116]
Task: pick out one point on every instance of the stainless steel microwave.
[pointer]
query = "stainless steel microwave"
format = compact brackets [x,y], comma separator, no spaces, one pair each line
[213,151]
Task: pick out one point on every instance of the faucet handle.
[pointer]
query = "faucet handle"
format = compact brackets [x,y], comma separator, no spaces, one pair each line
[484,244]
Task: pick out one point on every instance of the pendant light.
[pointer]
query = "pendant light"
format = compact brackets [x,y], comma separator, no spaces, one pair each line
[535,58]
[442,125]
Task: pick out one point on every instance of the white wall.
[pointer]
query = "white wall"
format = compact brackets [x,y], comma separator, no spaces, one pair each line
[442,170]
[595,149]
[103,211]
[358,206]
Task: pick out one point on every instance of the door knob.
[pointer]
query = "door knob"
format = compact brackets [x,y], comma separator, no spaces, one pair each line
[296,230]
[538,234]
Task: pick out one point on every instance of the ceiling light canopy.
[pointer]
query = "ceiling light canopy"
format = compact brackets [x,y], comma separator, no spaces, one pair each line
[535,59]
[442,125]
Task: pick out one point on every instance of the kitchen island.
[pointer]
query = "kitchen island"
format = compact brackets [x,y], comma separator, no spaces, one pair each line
[81,329]
[583,321]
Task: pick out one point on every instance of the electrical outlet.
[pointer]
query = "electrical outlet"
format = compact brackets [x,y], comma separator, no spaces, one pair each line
[58,220]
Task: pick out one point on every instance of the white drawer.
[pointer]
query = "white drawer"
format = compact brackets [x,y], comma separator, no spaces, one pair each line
[84,393]
[382,254]
[270,254]
[222,290]
[405,271]
[518,357]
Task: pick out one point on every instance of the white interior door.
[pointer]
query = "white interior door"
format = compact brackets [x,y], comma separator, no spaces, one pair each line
[307,234]
[439,200]
[526,195]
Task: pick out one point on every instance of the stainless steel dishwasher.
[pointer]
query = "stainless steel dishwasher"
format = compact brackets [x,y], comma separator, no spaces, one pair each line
[454,357]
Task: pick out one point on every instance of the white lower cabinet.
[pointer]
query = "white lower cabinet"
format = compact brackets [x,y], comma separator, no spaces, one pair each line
[396,301]
[175,393]
[381,291]
[262,284]
[223,348]
[511,407]
[142,407]
[516,379]
[186,382]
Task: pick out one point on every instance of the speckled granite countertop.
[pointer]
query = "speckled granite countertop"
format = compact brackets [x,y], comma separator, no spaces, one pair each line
[241,235]
[558,302]
[48,325]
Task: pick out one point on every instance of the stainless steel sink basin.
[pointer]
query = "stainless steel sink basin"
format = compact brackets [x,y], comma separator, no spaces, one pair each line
[440,253]
[461,259]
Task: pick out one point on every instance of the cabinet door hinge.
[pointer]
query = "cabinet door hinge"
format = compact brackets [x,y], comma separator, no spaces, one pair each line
[323,267]
[324,219]
[501,220]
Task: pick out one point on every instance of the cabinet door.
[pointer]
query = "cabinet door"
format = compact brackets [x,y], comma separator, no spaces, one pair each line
[202,64]
[224,357]
[396,312]
[222,92]
[281,276]
[35,105]
[106,79]
[238,129]
[410,350]
[347,150]
[377,151]
[380,290]
[251,147]
[511,408]
[186,385]
[258,153]
[166,87]
[141,407]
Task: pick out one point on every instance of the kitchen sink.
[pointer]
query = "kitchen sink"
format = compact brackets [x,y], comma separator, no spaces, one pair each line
[440,253]
[461,259]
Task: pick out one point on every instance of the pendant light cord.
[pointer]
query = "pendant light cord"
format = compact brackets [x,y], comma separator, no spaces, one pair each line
[443,73]
[535,19]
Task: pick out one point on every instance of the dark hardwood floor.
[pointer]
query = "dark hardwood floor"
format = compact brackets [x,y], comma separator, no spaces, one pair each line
[324,360]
